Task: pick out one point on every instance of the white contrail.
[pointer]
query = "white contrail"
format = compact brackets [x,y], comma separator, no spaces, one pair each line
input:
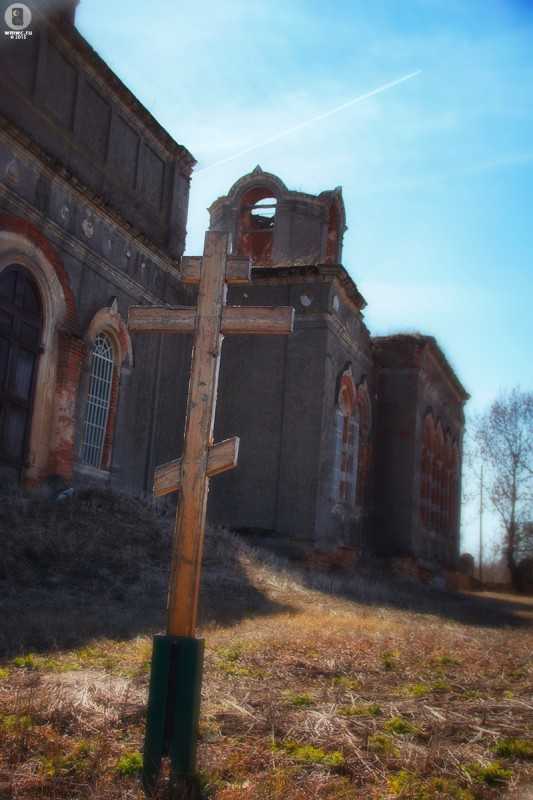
[301,125]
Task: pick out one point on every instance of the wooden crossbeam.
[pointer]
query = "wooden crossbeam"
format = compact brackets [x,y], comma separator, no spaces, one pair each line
[221,457]
[165,319]
[235,319]
[238,269]
[257,319]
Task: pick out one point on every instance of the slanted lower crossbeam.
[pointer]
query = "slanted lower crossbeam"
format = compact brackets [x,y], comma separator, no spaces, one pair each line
[221,457]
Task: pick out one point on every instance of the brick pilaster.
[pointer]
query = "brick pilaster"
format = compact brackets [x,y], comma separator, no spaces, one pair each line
[71,353]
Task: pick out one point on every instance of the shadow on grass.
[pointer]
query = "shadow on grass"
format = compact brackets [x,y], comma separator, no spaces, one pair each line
[96,565]
[374,585]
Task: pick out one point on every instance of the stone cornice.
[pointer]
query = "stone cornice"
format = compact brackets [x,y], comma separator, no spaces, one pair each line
[63,240]
[27,151]
[336,327]
[285,272]
[440,363]
[80,49]
[428,349]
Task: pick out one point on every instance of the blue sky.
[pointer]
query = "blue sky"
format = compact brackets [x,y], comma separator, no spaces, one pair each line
[437,172]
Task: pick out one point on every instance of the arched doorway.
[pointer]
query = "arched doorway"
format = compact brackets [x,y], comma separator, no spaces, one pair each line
[21,321]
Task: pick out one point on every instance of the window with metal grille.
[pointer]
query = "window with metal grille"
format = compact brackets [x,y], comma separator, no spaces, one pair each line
[346,445]
[98,401]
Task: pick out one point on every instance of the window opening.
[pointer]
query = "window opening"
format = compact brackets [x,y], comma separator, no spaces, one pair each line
[98,401]
[21,321]
[256,225]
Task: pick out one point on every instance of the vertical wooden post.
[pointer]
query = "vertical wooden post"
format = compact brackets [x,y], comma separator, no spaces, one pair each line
[190,518]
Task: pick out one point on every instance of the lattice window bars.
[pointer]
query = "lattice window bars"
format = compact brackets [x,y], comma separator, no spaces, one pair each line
[98,402]
[346,457]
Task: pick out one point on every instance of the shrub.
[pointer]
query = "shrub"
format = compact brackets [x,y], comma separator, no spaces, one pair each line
[493,774]
[382,744]
[130,763]
[407,785]
[14,723]
[26,662]
[400,727]
[389,660]
[300,700]
[309,754]
[514,748]
[417,689]
[445,661]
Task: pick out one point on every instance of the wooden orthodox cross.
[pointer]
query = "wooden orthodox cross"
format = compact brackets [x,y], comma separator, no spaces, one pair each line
[171,730]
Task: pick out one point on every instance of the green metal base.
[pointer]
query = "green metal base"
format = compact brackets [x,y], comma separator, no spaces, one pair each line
[173,707]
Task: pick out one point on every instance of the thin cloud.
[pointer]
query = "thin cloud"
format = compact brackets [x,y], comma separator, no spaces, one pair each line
[511,160]
[312,121]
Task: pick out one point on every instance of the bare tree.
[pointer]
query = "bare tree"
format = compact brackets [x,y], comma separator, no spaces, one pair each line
[504,435]
[525,540]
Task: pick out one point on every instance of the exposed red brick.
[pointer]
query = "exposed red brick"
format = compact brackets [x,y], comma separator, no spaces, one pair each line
[364,457]
[71,353]
[334,234]
[254,241]
[9,222]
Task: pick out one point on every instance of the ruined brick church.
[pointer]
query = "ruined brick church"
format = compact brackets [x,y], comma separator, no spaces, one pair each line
[347,440]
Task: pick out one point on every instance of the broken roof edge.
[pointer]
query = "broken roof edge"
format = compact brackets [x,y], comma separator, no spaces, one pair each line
[258,177]
[87,52]
[425,341]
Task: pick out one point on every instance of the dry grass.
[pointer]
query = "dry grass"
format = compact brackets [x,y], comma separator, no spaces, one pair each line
[307,693]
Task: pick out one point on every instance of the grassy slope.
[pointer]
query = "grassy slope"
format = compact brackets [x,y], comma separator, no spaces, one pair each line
[315,687]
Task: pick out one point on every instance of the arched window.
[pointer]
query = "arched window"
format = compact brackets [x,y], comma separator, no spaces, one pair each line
[101,379]
[426,469]
[446,489]
[346,441]
[436,479]
[363,460]
[256,225]
[21,323]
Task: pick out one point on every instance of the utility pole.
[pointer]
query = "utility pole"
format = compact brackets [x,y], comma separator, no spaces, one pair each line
[481,526]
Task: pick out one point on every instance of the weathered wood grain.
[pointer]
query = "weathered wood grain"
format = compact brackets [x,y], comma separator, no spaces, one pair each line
[222,457]
[190,520]
[257,319]
[162,319]
[238,269]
